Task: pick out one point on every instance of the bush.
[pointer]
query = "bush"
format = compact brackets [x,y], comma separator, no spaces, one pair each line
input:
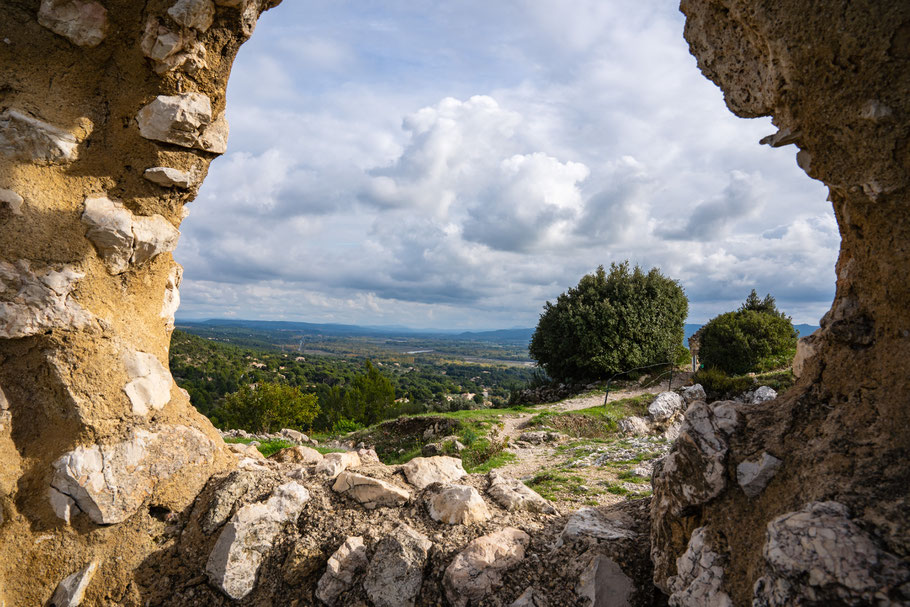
[719,386]
[269,407]
[757,337]
[610,323]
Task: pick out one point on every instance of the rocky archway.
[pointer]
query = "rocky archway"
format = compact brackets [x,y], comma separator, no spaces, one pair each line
[109,116]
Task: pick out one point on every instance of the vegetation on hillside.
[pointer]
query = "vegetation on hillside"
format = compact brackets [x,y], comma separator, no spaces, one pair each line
[610,323]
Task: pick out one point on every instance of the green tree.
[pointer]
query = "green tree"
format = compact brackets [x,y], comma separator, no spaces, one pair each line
[268,407]
[756,337]
[610,323]
[370,396]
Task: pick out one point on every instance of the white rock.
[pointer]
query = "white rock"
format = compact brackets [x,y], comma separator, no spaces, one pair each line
[370,492]
[477,570]
[699,575]
[298,455]
[634,426]
[71,590]
[12,200]
[344,565]
[169,177]
[160,43]
[245,450]
[38,301]
[197,14]
[458,505]
[62,505]
[763,394]
[513,495]
[294,436]
[31,140]
[122,238]
[172,295]
[178,119]
[590,523]
[395,573]
[333,464]
[150,382]
[214,137]
[753,476]
[248,536]
[110,482]
[665,406]
[693,393]
[82,22]
[604,583]
[529,598]
[423,471]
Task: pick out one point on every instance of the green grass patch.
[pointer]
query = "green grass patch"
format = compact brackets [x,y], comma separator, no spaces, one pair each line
[593,422]
[325,450]
[551,483]
[266,448]
[496,461]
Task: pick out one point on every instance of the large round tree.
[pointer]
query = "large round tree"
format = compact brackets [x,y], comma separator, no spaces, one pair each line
[611,323]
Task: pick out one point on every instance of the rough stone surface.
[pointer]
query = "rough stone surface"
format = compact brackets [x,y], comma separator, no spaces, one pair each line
[197,14]
[298,455]
[12,200]
[699,575]
[476,570]
[538,437]
[71,590]
[665,406]
[529,598]
[169,177]
[185,120]
[590,523]
[344,565]
[512,494]
[634,426]
[248,536]
[457,505]
[110,482]
[370,492]
[333,464]
[35,301]
[762,394]
[818,556]
[693,393]
[150,382]
[806,349]
[171,296]
[753,475]
[28,139]
[82,22]
[604,584]
[423,471]
[395,573]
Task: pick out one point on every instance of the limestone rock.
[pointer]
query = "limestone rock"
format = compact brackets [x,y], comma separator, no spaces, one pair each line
[246,450]
[214,137]
[110,482]
[122,238]
[529,598]
[298,455]
[344,565]
[150,382]
[82,22]
[634,426]
[457,505]
[12,200]
[806,349]
[817,555]
[31,140]
[169,177]
[370,492]
[236,487]
[540,436]
[172,296]
[604,584]
[178,119]
[699,575]
[395,573]
[35,301]
[590,523]
[477,570]
[294,436]
[665,406]
[170,49]
[514,495]
[197,14]
[368,457]
[753,476]
[5,416]
[762,394]
[693,393]
[248,537]
[333,464]
[423,471]
[71,590]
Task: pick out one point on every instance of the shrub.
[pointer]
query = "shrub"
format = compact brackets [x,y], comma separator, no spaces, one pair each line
[757,337]
[718,385]
[269,407]
[610,323]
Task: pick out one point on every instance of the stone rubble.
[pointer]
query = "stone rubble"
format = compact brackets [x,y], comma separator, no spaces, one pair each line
[423,471]
[457,505]
[110,482]
[634,426]
[306,456]
[395,573]
[196,14]
[477,569]
[665,406]
[82,22]
[514,495]
[753,475]
[70,592]
[248,536]
[38,300]
[169,177]
[31,140]
[370,492]
[699,575]
[344,565]
[333,464]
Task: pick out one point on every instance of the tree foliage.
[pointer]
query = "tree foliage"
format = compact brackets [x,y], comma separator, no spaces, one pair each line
[611,323]
[756,337]
[269,407]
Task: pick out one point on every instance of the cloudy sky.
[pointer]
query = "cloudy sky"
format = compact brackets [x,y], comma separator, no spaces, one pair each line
[457,164]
